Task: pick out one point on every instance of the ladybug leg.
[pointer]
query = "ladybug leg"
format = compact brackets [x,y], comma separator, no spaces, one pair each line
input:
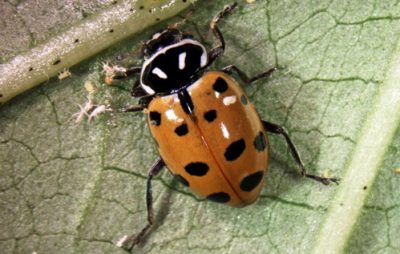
[134,108]
[118,72]
[273,128]
[143,103]
[145,99]
[243,76]
[134,239]
[134,70]
[218,50]
[137,90]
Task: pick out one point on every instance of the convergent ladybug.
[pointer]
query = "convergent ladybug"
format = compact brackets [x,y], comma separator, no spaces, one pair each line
[208,133]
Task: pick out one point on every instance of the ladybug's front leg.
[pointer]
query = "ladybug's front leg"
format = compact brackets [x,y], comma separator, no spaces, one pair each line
[134,239]
[218,50]
[243,76]
[144,100]
[118,72]
[131,71]
[271,127]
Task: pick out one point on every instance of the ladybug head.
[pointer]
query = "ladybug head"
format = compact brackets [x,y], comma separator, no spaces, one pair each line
[172,61]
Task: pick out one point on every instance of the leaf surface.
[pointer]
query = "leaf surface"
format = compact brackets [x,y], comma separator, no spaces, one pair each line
[79,188]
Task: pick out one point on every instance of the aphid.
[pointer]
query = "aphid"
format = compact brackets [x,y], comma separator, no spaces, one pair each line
[98,110]
[84,111]
[90,87]
[111,71]
[208,133]
[64,74]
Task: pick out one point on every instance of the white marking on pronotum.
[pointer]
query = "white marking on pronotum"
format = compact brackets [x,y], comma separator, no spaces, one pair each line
[182,59]
[225,131]
[156,35]
[228,100]
[159,73]
[170,113]
[148,89]
[203,57]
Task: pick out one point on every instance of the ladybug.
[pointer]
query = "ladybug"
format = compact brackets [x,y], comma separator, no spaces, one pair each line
[208,133]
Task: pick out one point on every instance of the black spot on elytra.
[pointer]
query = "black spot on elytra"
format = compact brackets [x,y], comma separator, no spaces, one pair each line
[1,95]
[220,197]
[234,150]
[210,115]
[259,142]
[243,99]
[56,62]
[111,30]
[30,69]
[181,130]
[197,168]
[251,181]
[155,118]
[76,40]
[220,85]
[182,180]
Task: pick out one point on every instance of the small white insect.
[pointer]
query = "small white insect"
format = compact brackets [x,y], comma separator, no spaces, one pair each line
[111,71]
[89,106]
[64,74]
[99,110]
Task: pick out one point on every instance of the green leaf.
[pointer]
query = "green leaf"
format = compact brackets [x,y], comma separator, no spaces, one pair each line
[79,188]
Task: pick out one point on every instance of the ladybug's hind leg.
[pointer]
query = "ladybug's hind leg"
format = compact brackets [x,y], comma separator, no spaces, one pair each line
[243,76]
[134,239]
[273,128]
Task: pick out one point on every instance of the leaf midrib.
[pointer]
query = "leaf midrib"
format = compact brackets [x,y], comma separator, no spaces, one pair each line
[363,165]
